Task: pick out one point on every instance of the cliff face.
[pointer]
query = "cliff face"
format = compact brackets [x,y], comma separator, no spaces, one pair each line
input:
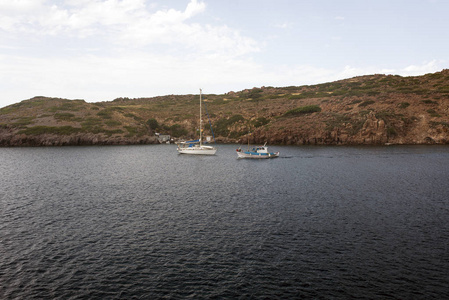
[373,110]
[368,110]
[370,126]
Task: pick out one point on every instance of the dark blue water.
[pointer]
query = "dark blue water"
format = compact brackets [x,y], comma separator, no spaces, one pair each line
[142,222]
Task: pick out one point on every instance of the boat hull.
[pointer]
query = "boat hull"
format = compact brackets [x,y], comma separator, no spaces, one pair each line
[255,155]
[204,150]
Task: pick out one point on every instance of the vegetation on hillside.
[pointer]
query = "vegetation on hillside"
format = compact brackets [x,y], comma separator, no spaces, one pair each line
[365,109]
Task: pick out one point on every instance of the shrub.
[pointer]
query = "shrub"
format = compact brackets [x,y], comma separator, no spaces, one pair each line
[22,122]
[177,130]
[91,122]
[429,102]
[132,131]
[260,122]
[436,75]
[67,106]
[153,123]
[111,132]
[391,131]
[116,108]
[222,125]
[255,93]
[433,113]
[9,109]
[236,134]
[62,130]
[404,105]
[64,116]
[296,97]
[372,93]
[105,114]
[443,89]
[112,123]
[364,112]
[434,124]
[303,110]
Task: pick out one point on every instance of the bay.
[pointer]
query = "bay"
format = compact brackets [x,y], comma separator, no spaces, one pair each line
[143,222]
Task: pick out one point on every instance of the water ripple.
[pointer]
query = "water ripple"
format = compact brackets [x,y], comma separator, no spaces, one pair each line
[146,223]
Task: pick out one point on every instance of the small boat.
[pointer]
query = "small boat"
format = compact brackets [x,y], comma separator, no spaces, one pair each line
[257,152]
[196,146]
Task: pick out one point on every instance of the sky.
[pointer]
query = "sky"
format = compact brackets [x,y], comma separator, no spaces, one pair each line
[100,50]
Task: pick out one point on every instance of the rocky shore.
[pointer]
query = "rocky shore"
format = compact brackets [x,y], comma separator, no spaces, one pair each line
[10,139]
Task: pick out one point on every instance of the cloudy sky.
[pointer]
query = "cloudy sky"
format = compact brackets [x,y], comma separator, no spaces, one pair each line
[99,50]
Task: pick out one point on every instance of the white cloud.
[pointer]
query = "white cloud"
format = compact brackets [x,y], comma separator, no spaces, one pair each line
[426,67]
[19,6]
[129,24]
[284,25]
[194,7]
[17,15]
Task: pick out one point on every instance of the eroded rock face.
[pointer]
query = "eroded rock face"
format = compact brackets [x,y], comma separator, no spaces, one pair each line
[373,131]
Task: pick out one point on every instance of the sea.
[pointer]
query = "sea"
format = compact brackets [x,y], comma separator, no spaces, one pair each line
[144,222]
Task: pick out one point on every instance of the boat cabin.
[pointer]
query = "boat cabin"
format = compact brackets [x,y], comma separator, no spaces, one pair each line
[260,149]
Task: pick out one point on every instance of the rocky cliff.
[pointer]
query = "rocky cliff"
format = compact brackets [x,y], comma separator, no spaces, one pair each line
[374,110]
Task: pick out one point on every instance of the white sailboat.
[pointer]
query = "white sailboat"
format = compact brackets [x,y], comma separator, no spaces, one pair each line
[196,146]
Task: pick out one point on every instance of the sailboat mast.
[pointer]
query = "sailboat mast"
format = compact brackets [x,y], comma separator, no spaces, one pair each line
[201,123]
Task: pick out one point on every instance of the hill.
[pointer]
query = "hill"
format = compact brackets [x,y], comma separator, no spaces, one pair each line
[374,109]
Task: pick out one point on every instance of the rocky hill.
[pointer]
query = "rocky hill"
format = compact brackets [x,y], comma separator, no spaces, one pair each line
[374,109]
